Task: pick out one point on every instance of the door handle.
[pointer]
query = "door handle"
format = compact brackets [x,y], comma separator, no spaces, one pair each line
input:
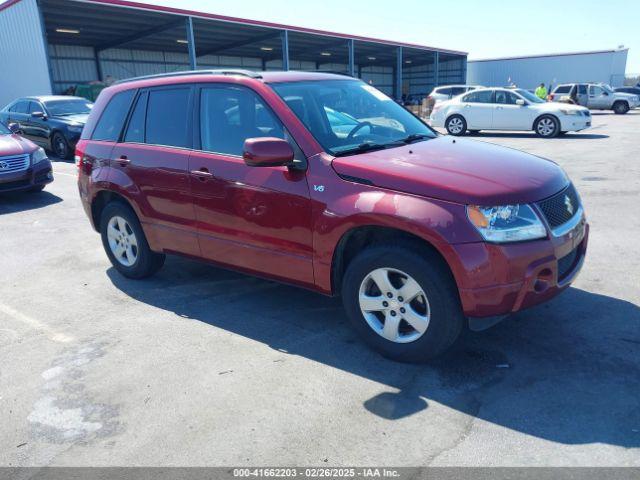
[123,160]
[202,174]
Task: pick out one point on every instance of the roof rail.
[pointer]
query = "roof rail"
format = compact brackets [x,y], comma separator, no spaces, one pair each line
[226,71]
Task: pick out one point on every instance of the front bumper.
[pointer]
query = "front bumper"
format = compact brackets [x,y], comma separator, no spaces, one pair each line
[574,123]
[506,278]
[34,176]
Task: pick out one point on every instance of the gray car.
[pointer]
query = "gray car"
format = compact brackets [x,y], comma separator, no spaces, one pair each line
[595,96]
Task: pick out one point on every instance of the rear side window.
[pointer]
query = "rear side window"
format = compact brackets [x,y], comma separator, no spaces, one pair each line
[167,117]
[112,119]
[135,130]
[457,91]
[563,89]
[21,107]
[483,96]
[444,91]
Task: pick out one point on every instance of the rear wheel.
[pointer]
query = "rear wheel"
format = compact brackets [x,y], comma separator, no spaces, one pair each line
[547,126]
[60,146]
[403,304]
[456,125]
[125,243]
[620,107]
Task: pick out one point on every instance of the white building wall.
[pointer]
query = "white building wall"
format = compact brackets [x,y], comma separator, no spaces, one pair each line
[529,72]
[23,57]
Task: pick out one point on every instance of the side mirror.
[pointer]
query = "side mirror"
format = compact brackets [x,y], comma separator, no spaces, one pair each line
[267,152]
[605,94]
[521,102]
[38,115]
[14,127]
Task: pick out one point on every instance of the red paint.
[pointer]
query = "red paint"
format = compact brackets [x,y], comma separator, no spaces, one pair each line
[278,222]
[33,176]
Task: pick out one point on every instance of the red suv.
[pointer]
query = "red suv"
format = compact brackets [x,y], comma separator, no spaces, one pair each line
[323,181]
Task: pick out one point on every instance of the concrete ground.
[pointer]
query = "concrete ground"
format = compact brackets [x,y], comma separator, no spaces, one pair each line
[201,366]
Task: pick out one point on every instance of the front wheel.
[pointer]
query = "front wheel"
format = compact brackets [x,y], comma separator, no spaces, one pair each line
[403,304]
[620,108]
[125,242]
[547,126]
[456,125]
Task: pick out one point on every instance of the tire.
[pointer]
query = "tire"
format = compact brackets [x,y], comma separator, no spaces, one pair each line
[36,189]
[135,259]
[442,306]
[620,107]
[456,125]
[547,126]
[60,146]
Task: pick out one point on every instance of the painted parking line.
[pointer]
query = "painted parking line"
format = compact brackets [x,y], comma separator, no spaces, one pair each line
[35,324]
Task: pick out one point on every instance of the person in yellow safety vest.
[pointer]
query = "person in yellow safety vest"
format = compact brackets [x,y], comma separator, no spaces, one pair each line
[541,92]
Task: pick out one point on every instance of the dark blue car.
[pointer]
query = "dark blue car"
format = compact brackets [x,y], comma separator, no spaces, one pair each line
[52,122]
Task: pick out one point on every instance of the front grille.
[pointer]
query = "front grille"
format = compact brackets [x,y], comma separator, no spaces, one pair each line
[561,207]
[566,264]
[13,164]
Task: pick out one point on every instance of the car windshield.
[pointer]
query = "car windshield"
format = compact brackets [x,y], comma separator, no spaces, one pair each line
[529,96]
[68,107]
[607,88]
[349,116]
[4,130]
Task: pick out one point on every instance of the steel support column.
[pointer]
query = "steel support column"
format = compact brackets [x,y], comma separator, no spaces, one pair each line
[192,44]
[96,56]
[399,64]
[436,69]
[352,57]
[285,50]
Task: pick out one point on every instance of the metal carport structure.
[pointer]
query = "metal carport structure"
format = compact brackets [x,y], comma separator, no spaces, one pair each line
[85,40]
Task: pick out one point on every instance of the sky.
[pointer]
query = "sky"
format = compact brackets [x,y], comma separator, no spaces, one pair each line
[485,29]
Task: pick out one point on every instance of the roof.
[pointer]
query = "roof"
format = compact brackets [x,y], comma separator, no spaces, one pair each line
[243,21]
[547,55]
[50,98]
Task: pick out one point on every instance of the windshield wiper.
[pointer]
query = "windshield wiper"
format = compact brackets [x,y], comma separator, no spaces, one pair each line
[363,147]
[414,137]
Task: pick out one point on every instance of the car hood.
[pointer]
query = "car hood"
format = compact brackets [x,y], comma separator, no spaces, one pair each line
[555,106]
[77,118]
[15,145]
[457,170]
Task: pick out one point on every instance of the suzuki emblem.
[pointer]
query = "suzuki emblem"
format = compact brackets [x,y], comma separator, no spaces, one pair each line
[567,202]
[4,165]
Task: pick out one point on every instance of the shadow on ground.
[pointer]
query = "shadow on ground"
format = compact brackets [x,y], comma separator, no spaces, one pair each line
[22,201]
[567,136]
[567,371]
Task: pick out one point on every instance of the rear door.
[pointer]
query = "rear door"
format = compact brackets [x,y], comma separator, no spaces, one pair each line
[477,109]
[582,95]
[151,161]
[253,218]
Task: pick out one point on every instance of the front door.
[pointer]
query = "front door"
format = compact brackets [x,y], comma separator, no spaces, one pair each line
[153,158]
[253,218]
[508,115]
[598,97]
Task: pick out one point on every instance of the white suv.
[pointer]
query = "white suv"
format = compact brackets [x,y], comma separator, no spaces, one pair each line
[508,109]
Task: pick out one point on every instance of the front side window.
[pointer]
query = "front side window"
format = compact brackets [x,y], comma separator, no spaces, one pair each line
[230,115]
[167,117]
[506,98]
[479,96]
[349,116]
[61,108]
[112,119]
[596,91]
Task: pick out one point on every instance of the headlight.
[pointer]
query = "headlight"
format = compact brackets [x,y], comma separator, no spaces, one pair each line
[507,223]
[38,156]
[566,111]
[75,128]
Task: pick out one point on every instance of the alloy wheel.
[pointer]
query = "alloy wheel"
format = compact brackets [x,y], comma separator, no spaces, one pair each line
[546,127]
[394,305]
[122,241]
[455,125]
